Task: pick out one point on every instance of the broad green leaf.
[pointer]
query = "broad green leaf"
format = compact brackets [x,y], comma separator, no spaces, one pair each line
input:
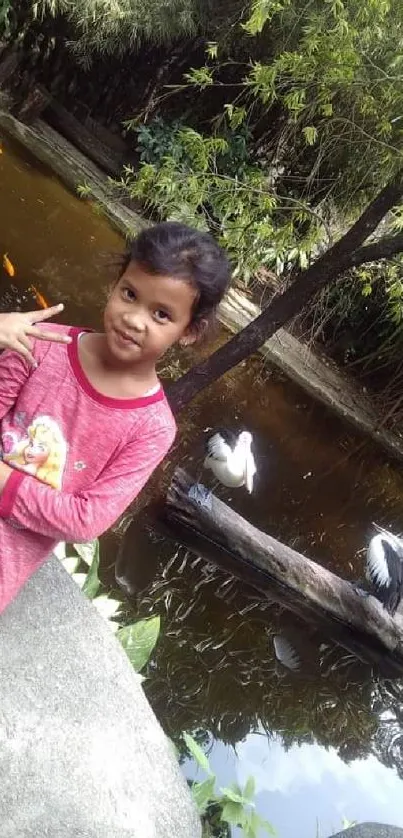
[92,582]
[197,753]
[203,792]
[233,813]
[139,639]
[70,563]
[256,824]
[235,796]
[87,551]
[250,788]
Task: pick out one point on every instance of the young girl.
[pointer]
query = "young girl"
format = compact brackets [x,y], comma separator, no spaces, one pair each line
[91,417]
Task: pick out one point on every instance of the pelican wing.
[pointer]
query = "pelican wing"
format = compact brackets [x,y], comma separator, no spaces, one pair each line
[377,565]
[217,448]
[391,596]
[385,570]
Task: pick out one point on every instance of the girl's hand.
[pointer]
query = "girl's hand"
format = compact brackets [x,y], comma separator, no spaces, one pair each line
[17,328]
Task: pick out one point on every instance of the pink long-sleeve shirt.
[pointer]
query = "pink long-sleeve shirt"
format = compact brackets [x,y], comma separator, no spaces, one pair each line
[79,458]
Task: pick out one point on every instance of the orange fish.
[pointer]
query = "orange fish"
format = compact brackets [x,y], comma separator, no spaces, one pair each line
[40,299]
[8,265]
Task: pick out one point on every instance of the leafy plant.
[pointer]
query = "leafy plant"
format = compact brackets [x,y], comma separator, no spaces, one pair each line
[232,806]
[157,139]
[212,183]
[5,9]
[116,27]
[138,639]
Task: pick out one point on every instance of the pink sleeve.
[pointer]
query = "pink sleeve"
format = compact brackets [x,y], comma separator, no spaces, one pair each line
[84,515]
[14,369]
[14,372]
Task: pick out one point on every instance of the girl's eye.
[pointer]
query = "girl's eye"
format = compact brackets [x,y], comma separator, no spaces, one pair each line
[128,293]
[161,315]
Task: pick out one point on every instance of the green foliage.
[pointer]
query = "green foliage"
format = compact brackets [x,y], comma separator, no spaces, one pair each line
[317,103]
[158,140]
[262,11]
[226,807]
[138,639]
[92,582]
[5,9]
[114,28]
[212,183]
[360,319]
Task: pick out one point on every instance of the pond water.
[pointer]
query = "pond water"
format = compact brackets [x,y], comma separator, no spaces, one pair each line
[325,744]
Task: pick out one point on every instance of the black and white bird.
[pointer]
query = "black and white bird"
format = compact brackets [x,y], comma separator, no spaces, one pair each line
[384,568]
[229,456]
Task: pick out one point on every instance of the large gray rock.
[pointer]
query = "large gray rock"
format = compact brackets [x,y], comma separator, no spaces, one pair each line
[81,752]
[371,830]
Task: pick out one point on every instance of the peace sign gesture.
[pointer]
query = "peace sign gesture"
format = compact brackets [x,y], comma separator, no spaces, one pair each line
[16,329]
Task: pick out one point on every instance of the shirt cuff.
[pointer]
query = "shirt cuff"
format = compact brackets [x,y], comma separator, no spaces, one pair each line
[9,493]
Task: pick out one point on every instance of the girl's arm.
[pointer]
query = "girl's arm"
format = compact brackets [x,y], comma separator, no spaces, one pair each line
[83,515]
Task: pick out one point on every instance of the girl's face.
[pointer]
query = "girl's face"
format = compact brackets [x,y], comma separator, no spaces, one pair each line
[146,315]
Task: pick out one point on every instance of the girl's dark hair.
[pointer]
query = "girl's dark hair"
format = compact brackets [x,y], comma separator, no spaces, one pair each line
[174,249]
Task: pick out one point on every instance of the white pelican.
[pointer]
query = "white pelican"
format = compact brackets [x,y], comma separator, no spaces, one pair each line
[384,568]
[229,457]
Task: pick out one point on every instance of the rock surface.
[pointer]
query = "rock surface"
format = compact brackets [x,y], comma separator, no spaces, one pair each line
[81,752]
[371,830]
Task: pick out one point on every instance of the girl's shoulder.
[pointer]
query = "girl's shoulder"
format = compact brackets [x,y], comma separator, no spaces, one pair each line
[161,418]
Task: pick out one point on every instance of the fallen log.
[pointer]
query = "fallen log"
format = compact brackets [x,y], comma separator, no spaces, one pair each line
[211,529]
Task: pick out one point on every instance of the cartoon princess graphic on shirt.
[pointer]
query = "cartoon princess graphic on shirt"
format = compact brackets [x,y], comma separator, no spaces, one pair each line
[42,452]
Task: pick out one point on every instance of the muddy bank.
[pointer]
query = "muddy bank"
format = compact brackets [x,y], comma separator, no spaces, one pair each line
[316,375]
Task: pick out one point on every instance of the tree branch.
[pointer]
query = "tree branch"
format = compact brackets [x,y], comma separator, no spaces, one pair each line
[373,214]
[346,253]
[381,249]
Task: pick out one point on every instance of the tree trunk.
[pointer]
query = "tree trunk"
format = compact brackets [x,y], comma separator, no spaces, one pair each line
[345,254]
[214,531]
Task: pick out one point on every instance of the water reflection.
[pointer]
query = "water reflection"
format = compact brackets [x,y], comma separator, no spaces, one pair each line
[307,790]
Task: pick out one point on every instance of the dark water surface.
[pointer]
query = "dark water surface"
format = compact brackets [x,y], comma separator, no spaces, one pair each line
[324,744]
